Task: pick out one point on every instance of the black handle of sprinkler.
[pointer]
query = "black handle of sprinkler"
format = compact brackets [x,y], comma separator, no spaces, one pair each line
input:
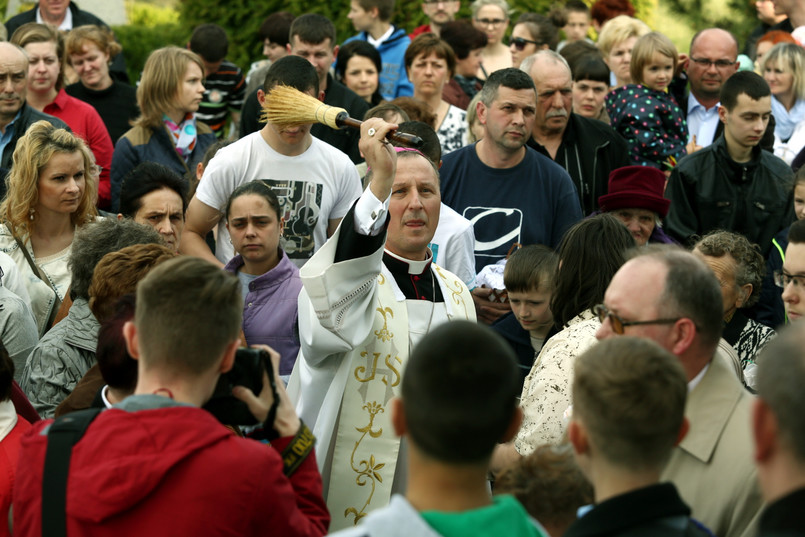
[402,138]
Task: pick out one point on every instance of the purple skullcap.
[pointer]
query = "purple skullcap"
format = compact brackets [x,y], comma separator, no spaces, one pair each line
[409,149]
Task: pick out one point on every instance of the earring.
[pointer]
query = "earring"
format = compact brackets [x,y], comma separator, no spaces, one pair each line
[31,214]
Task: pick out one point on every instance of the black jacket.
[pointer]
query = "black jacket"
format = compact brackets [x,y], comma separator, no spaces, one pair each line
[708,191]
[590,149]
[336,94]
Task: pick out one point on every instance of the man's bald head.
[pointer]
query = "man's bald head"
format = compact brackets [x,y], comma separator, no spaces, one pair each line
[713,59]
[13,81]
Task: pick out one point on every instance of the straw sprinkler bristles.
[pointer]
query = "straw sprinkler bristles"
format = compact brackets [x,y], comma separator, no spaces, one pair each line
[285,105]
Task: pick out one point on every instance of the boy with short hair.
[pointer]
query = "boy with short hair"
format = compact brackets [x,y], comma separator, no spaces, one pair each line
[372,18]
[449,449]
[628,413]
[578,22]
[528,278]
[224,84]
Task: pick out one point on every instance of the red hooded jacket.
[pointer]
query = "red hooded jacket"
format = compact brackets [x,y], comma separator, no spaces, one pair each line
[172,471]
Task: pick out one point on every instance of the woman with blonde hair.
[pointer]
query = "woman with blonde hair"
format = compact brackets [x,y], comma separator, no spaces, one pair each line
[616,40]
[166,132]
[44,46]
[784,70]
[492,18]
[89,49]
[51,192]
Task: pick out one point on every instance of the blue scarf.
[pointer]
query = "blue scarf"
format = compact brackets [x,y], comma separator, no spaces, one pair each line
[786,120]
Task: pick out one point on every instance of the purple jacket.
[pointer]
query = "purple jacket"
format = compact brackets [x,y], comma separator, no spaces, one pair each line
[270,310]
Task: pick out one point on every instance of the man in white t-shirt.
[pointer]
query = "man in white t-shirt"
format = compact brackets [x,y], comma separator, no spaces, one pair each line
[315,183]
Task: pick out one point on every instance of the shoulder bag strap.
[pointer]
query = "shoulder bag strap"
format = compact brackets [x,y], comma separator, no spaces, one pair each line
[63,434]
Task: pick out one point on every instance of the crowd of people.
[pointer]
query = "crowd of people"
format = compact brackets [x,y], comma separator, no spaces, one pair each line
[571,308]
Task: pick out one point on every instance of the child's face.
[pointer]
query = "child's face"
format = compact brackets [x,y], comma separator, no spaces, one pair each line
[577,25]
[659,72]
[532,309]
[799,201]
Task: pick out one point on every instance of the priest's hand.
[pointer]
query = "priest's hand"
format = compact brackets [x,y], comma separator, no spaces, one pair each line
[381,158]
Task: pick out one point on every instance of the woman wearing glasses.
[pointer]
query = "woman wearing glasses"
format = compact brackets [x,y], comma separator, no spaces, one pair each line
[784,70]
[600,242]
[492,18]
[531,33]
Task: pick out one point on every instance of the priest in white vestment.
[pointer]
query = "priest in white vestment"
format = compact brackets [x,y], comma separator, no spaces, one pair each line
[370,294]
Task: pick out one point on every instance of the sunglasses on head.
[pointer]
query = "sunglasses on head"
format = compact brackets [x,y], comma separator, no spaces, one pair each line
[520,43]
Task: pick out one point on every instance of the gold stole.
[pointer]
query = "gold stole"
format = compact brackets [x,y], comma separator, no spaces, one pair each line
[366,448]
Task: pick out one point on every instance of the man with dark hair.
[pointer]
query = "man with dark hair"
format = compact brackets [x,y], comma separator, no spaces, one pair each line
[511,193]
[224,84]
[370,294]
[586,148]
[67,351]
[312,37]
[779,433]
[733,184]
[438,13]
[449,450]
[792,277]
[628,414]
[155,196]
[273,35]
[315,182]
[372,18]
[158,464]
[669,296]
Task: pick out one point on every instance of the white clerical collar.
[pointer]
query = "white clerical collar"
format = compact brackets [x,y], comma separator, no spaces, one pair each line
[694,103]
[66,24]
[698,378]
[414,267]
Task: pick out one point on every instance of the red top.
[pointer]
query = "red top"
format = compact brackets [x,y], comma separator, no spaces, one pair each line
[9,454]
[83,120]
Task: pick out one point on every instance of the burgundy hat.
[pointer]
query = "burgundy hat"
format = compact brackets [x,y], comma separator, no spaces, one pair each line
[636,187]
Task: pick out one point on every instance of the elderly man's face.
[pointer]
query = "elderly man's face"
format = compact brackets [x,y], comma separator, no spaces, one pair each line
[554,95]
[413,208]
[13,81]
[54,9]
[713,45]
[634,294]
[725,269]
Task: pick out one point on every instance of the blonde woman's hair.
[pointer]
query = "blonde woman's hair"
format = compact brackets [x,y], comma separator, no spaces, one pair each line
[618,30]
[33,32]
[32,154]
[160,82]
[791,58]
[643,53]
[81,36]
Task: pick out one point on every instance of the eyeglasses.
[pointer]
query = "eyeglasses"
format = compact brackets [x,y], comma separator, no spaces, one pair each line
[491,22]
[781,279]
[720,64]
[520,43]
[618,324]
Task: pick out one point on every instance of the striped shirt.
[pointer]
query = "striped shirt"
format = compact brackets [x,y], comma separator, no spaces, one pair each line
[224,91]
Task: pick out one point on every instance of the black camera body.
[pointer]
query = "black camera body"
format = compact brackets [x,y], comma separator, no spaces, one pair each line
[248,372]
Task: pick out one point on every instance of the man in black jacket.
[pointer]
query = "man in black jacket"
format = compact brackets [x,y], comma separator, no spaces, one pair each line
[588,149]
[733,184]
[312,37]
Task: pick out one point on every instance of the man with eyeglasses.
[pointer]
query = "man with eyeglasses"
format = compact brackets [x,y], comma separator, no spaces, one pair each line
[671,297]
[712,60]
[792,277]
[587,149]
[438,13]
[733,184]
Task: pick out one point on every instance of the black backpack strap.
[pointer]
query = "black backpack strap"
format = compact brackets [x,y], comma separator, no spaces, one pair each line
[63,434]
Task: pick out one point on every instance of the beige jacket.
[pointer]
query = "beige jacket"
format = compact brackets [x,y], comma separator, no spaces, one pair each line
[713,466]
